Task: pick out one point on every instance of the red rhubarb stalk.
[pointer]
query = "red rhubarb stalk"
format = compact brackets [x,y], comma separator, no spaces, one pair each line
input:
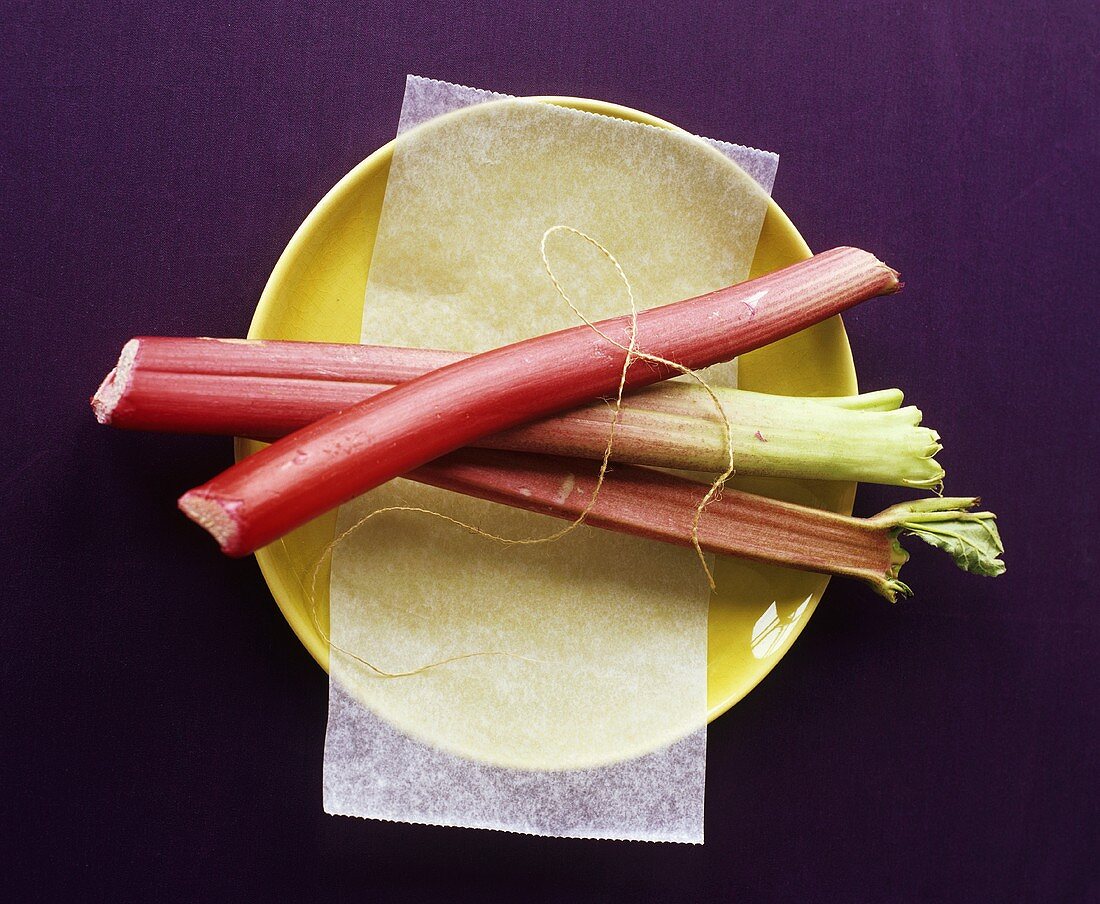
[267,389]
[335,459]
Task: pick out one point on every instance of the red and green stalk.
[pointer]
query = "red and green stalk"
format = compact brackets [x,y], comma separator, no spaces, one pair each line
[265,390]
[660,506]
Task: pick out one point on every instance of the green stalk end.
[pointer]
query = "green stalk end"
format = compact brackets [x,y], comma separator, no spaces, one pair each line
[868,438]
[933,478]
[878,400]
[892,588]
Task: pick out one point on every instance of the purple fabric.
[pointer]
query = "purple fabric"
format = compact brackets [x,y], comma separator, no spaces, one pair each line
[161,727]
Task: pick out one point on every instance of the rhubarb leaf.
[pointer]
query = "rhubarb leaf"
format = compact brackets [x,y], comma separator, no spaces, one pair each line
[972,540]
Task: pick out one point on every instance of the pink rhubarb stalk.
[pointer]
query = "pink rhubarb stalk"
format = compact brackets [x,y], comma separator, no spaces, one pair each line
[662,507]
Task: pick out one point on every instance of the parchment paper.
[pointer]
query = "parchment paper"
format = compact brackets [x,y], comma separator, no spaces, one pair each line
[587,716]
[426,98]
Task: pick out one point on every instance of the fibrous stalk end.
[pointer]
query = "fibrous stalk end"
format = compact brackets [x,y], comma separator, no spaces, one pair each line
[115,384]
[217,516]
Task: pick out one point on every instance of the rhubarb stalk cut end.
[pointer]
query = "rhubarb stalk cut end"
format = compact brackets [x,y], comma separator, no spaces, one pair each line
[115,384]
[216,516]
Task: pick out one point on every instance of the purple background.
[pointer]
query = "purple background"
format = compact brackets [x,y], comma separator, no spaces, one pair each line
[161,726]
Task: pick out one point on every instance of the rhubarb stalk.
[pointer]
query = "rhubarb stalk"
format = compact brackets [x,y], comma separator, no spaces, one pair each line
[265,390]
[340,456]
[661,506]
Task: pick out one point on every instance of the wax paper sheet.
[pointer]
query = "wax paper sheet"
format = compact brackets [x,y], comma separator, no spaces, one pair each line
[426,98]
[583,713]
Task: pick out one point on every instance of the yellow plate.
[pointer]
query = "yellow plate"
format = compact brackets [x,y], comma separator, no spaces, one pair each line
[316,293]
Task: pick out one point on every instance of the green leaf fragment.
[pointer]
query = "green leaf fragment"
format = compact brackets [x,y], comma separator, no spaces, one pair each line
[971,539]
